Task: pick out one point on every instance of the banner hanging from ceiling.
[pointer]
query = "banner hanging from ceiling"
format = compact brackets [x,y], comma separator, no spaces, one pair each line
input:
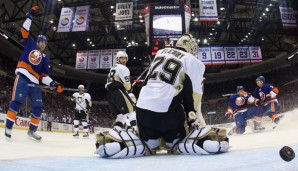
[208,10]
[124,11]
[65,21]
[93,59]
[288,18]
[81,60]
[106,59]
[81,18]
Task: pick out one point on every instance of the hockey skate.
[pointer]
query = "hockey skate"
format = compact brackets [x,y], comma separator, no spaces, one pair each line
[258,127]
[32,134]
[76,135]
[7,134]
[86,135]
[276,121]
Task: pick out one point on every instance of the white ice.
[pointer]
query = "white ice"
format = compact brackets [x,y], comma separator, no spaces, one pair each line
[60,151]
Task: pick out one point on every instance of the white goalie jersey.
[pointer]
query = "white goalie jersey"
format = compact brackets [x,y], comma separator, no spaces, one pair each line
[166,78]
[119,74]
[82,100]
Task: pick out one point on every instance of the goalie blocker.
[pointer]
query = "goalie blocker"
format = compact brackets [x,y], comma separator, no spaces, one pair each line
[125,144]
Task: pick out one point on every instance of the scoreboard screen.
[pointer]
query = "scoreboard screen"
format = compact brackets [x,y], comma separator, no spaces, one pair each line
[167,24]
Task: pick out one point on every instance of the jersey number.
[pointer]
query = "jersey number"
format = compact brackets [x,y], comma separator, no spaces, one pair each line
[169,66]
[111,76]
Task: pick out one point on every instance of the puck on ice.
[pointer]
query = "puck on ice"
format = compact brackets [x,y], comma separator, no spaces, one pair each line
[287,153]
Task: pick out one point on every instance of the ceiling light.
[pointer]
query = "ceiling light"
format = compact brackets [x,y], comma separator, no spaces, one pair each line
[112,7]
[218,22]
[141,21]
[52,21]
[88,39]
[73,45]
[196,19]
[267,9]
[124,38]
[93,45]
[222,8]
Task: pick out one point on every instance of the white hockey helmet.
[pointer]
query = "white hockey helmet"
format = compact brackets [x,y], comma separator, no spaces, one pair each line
[81,87]
[189,43]
[121,54]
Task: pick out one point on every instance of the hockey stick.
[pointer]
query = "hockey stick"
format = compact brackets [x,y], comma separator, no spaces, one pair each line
[86,111]
[64,89]
[51,88]
[135,81]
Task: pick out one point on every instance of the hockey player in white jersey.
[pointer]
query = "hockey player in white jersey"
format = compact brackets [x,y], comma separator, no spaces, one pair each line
[82,109]
[169,97]
[118,85]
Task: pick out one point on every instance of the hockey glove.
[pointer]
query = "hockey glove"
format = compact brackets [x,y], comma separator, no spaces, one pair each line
[33,12]
[193,119]
[58,86]
[229,115]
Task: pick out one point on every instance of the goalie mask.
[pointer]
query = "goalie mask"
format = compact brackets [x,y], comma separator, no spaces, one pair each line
[81,89]
[121,54]
[188,43]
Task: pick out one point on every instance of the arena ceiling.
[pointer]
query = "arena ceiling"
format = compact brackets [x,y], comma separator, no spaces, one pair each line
[248,22]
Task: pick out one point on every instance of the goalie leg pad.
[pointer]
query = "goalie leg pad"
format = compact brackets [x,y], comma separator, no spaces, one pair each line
[204,140]
[119,144]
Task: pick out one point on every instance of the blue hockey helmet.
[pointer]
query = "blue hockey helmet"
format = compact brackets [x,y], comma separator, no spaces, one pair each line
[261,78]
[41,38]
[240,87]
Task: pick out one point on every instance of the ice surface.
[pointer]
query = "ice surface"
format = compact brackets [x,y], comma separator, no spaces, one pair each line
[60,151]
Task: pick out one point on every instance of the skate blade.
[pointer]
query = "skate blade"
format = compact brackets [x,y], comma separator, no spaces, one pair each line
[8,139]
[86,137]
[76,137]
[36,140]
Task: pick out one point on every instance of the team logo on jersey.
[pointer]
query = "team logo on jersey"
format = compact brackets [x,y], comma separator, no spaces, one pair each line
[35,57]
[262,95]
[240,101]
[80,20]
[64,21]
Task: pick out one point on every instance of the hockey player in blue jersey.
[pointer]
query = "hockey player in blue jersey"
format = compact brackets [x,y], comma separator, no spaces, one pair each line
[32,68]
[240,110]
[267,94]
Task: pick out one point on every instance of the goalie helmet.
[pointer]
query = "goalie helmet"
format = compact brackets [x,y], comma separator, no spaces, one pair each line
[121,54]
[188,43]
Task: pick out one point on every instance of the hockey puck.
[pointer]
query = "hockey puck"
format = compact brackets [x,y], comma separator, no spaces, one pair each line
[287,153]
